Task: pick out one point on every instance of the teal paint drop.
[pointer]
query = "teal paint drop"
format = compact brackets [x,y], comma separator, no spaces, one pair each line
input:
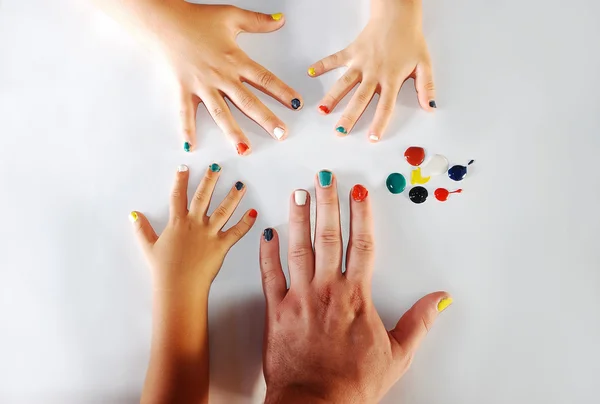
[396,183]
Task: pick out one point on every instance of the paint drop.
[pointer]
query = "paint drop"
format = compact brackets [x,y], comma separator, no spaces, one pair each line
[418,195]
[414,155]
[458,172]
[417,178]
[396,183]
[441,194]
[437,165]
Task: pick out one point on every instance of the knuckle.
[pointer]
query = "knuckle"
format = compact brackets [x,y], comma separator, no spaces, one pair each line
[299,255]
[217,112]
[265,78]
[269,275]
[201,196]
[347,79]
[268,118]
[429,86]
[386,107]
[238,231]
[246,100]
[364,243]
[325,296]
[357,299]
[363,97]
[221,212]
[329,237]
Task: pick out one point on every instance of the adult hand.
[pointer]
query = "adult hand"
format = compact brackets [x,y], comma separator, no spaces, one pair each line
[389,50]
[324,341]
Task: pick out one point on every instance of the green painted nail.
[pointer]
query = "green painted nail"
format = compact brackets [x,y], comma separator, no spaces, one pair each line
[325,178]
[342,130]
[187,146]
[214,167]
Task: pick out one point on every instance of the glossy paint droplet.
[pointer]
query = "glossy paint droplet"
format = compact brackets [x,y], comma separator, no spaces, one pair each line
[396,183]
[359,193]
[417,178]
[414,155]
[418,195]
[458,172]
[437,165]
[441,194]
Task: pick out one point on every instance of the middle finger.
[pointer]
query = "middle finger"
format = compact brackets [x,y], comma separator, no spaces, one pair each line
[328,234]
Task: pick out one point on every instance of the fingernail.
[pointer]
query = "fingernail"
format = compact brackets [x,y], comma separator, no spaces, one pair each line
[300,197]
[182,168]
[279,132]
[432,104]
[443,304]
[239,185]
[214,167]
[324,109]
[325,178]
[311,71]
[253,213]
[296,103]
[187,147]
[341,130]
[133,217]
[242,148]
[268,234]
[359,193]
[277,16]
[373,137]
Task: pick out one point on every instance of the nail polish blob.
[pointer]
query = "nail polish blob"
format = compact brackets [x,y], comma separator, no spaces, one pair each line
[432,104]
[242,148]
[239,185]
[187,147]
[268,234]
[441,194]
[414,155]
[359,193]
[396,183]
[215,168]
[312,71]
[458,172]
[418,195]
[437,165]
[325,178]
[341,130]
[324,109]
[253,213]
[296,103]
[416,177]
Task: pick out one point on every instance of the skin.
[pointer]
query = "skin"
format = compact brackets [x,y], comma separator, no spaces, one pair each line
[184,261]
[389,50]
[198,42]
[324,340]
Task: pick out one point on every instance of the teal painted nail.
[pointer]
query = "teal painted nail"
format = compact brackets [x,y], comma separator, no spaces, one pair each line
[214,167]
[187,146]
[342,130]
[325,178]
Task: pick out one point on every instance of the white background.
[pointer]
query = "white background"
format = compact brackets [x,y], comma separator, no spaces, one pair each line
[89,131]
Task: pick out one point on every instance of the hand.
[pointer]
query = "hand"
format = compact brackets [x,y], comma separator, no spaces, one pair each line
[389,50]
[324,341]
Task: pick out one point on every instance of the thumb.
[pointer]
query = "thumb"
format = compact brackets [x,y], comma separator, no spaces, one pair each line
[414,325]
[251,21]
[425,87]
[145,233]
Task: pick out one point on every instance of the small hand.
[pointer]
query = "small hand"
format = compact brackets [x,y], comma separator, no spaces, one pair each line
[324,341]
[390,49]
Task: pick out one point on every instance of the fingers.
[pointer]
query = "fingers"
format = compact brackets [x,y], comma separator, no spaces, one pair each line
[201,201]
[328,234]
[273,279]
[425,87]
[179,200]
[414,325]
[251,21]
[188,108]
[221,114]
[268,83]
[327,64]
[359,102]
[224,211]
[383,113]
[242,227]
[360,257]
[339,91]
[301,258]
[145,233]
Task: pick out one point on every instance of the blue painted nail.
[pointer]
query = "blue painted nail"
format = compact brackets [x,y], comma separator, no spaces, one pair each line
[214,167]
[239,185]
[268,234]
[325,178]
[342,130]
[296,103]
[187,147]
[432,104]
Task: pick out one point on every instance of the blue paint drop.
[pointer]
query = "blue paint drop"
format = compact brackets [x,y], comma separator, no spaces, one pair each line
[458,172]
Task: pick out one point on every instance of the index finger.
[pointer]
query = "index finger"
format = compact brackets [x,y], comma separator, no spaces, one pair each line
[262,79]
[360,257]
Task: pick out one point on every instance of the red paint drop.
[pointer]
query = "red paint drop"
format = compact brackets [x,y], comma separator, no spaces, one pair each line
[253,213]
[441,194]
[359,193]
[242,148]
[324,109]
[414,155]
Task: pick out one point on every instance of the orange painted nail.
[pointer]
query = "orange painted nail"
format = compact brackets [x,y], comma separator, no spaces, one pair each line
[324,109]
[242,148]
[253,213]
[359,193]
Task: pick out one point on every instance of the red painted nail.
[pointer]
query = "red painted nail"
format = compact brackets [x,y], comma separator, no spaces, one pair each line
[253,213]
[359,193]
[242,148]
[324,109]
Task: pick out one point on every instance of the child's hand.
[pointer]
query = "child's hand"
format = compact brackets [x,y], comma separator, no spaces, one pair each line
[390,49]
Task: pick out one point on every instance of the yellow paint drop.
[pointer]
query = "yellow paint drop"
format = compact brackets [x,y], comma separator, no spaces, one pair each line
[311,71]
[277,16]
[417,178]
[443,304]
[133,217]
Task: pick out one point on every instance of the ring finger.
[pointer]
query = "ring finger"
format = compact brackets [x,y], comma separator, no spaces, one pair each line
[224,211]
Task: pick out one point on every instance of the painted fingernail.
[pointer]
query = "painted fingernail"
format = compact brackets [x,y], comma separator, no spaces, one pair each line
[214,167]
[239,185]
[296,103]
[359,193]
[325,178]
[182,168]
[373,137]
[133,217]
[268,234]
[253,213]
[300,197]
[277,16]
[341,130]
[432,104]
[242,148]
[278,132]
[312,71]
[443,304]
[324,109]
[187,147]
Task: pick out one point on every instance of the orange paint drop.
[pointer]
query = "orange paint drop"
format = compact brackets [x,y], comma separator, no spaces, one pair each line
[414,155]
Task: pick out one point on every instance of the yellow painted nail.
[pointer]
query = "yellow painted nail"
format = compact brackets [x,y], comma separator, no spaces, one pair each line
[443,304]
[277,16]
[133,217]
[311,71]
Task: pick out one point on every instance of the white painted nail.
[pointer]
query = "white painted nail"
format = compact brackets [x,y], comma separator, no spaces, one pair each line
[374,137]
[300,197]
[182,168]
[279,132]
